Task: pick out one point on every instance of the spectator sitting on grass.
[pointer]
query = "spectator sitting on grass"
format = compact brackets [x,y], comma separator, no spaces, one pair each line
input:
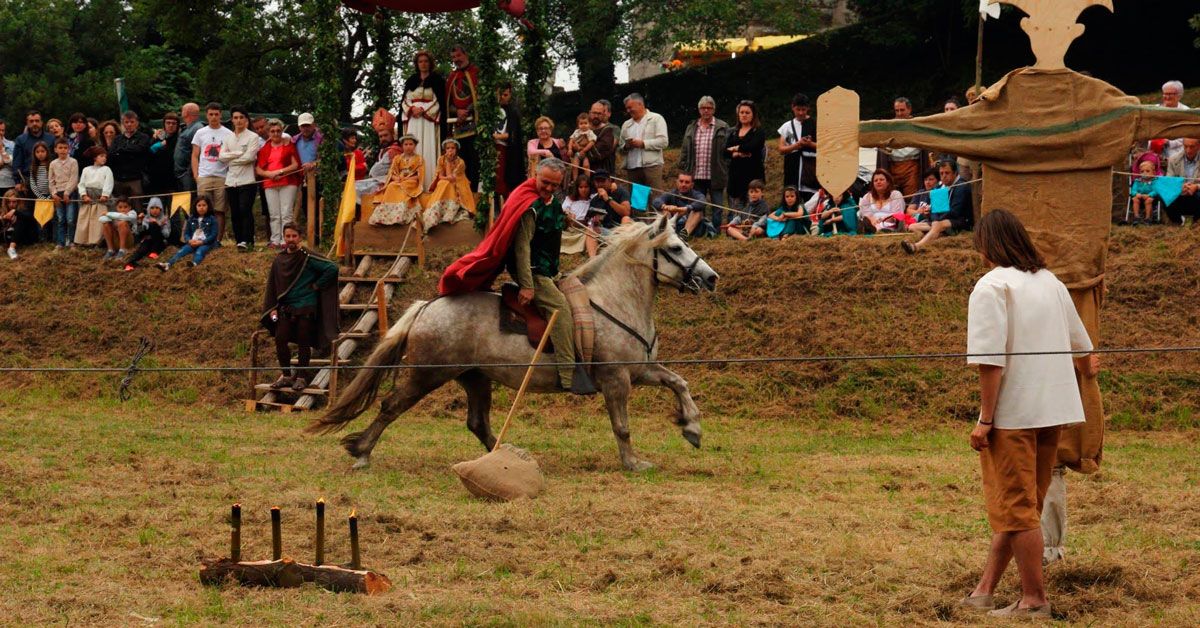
[153,231]
[792,215]
[755,209]
[882,208]
[117,229]
[836,215]
[611,202]
[919,205]
[15,219]
[685,205]
[201,234]
[961,216]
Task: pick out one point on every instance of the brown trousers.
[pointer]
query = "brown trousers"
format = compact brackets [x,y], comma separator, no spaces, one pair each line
[1081,446]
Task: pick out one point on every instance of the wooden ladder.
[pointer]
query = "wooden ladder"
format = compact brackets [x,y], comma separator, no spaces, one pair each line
[372,320]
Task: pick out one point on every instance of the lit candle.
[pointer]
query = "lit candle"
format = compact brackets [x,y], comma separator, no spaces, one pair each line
[235,535]
[355,558]
[276,534]
[320,532]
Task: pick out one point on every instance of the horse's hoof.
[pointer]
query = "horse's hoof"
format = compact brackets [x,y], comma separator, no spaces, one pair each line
[361,463]
[693,438]
[638,465]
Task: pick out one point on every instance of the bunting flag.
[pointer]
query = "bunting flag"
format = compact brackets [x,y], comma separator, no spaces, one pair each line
[181,201]
[346,212]
[639,196]
[1169,189]
[939,200]
[43,211]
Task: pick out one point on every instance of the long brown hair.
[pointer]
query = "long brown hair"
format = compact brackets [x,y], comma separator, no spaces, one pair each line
[890,188]
[1003,240]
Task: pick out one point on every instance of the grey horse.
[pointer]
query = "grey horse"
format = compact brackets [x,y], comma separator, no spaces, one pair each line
[464,330]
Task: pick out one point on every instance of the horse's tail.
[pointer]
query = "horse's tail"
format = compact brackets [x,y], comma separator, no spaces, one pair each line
[360,394]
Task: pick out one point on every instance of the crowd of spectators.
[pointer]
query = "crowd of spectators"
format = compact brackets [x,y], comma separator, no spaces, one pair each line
[85,167]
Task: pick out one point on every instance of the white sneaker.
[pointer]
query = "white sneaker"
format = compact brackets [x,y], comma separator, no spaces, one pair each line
[12,254]
[242,246]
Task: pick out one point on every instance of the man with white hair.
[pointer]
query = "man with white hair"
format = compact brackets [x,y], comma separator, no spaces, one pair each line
[701,155]
[643,138]
[1172,91]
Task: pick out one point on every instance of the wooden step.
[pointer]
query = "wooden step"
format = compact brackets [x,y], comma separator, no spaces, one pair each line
[253,405]
[360,253]
[352,279]
[306,391]
[358,306]
[357,335]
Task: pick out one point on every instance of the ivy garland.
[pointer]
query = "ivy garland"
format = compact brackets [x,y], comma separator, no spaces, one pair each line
[327,31]
[535,65]
[487,104]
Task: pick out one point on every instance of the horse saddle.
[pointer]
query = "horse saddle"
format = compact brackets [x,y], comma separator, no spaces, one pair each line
[528,320]
[522,319]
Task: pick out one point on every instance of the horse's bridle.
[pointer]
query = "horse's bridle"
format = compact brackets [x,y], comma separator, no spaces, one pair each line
[688,281]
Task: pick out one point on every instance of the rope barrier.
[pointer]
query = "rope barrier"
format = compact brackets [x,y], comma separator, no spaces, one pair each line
[145,346]
[681,362]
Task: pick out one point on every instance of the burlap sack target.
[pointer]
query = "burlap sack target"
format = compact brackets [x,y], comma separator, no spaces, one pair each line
[503,475]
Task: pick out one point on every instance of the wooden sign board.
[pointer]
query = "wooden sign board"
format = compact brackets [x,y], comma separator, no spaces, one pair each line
[837,144]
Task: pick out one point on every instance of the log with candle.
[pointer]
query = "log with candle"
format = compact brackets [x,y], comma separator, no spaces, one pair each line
[320,558]
[355,557]
[276,534]
[235,533]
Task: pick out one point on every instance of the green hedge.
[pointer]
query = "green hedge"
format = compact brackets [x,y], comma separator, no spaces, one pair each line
[934,60]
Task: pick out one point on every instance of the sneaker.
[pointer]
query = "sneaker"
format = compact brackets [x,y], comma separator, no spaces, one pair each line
[121,253]
[191,264]
[128,267]
[109,254]
[58,247]
[298,384]
[243,247]
[1012,611]
[283,382]
[908,247]
[163,266]
[12,254]
[153,255]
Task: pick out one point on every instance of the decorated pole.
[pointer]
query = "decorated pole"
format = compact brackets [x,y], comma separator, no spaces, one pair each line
[535,63]
[487,106]
[327,31]
[379,83]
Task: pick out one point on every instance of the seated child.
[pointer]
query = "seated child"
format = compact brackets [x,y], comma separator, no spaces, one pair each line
[15,219]
[789,219]
[580,142]
[152,232]
[451,198]
[201,234]
[835,215]
[117,228]
[919,206]
[400,202]
[741,227]
[1142,194]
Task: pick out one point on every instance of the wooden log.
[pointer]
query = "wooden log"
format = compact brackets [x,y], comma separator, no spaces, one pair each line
[286,573]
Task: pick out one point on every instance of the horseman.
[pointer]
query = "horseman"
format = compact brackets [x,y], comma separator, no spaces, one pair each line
[526,240]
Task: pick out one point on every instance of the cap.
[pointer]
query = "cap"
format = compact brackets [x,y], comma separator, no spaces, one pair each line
[154,202]
[600,173]
[304,118]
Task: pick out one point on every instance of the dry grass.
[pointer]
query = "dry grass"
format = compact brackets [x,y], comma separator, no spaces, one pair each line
[825,495]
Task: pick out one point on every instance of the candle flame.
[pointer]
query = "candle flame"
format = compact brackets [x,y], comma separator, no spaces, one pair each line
[321,500]
[354,514]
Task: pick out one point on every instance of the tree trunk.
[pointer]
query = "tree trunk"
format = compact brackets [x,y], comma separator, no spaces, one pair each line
[841,13]
[288,574]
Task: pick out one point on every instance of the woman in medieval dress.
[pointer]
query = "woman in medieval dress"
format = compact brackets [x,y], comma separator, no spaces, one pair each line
[423,110]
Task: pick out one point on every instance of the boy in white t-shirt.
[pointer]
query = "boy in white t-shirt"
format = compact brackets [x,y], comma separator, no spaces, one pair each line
[207,168]
[1020,307]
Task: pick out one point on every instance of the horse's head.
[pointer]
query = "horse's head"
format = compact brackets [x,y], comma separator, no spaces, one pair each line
[676,264]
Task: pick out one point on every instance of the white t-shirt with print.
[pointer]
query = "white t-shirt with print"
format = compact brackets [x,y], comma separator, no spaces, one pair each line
[210,140]
[1012,311]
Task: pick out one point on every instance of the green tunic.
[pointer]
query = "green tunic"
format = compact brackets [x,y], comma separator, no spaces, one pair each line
[316,272]
[538,243]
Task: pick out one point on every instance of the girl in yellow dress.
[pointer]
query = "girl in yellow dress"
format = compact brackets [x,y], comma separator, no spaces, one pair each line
[451,199]
[400,202]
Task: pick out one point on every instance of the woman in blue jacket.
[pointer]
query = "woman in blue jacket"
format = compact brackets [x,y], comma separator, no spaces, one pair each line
[200,235]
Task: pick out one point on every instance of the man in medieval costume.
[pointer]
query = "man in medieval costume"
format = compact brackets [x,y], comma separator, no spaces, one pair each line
[300,306]
[526,240]
[461,90]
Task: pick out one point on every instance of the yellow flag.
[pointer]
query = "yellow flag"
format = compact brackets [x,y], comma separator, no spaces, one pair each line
[43,211]
[181,201]
[346,211]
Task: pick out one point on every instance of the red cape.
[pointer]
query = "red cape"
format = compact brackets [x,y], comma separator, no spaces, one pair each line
[478,269]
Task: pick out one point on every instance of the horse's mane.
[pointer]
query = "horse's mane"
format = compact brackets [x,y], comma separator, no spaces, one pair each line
[625,239]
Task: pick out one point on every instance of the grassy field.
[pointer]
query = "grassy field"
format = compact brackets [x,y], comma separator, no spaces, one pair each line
[110,506]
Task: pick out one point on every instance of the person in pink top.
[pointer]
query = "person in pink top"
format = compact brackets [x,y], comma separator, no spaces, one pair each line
[279,167]
[544,145]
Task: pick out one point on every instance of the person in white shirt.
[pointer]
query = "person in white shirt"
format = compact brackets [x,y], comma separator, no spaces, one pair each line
[1172,91]
[1020,307]
[643,138]
[239,151]
[208,171]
